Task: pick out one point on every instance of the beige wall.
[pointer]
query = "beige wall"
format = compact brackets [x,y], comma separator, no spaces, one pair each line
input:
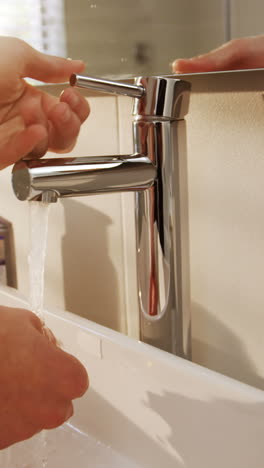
[226,170]
[247,17]
[91,248]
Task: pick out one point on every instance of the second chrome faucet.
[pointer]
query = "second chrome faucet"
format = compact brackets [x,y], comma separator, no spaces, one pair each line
[157,173]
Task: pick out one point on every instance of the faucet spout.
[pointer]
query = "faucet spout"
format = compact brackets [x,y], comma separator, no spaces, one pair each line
[71,177]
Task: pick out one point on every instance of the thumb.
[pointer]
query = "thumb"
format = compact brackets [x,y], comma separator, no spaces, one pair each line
[48,68]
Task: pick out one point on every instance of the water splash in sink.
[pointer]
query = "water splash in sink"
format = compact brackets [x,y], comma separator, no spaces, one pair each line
[68,447]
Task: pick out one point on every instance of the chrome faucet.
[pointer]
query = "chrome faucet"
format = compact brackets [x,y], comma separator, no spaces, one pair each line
[155,172]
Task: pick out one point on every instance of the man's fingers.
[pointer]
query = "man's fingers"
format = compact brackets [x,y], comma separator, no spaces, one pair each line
[190,66]
[21,144]
[50,335]
[48,68]
[77,103]
[58,415]
[217,59]
[66,118]
[64,129]
[236,54]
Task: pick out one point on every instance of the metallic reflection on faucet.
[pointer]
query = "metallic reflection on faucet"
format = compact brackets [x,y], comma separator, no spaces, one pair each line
[157,172]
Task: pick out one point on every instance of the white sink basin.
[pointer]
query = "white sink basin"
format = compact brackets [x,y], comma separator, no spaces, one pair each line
[145,408]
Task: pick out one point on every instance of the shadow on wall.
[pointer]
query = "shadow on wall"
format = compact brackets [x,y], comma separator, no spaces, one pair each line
[216,347]
[90,280]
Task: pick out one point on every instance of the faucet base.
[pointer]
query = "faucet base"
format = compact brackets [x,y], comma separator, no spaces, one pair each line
[163,241]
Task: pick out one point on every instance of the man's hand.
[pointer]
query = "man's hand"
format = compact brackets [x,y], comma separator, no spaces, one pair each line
[237,54]
[38,381]
[32,121]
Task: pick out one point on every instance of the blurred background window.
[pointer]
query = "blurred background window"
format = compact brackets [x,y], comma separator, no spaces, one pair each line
[38,22]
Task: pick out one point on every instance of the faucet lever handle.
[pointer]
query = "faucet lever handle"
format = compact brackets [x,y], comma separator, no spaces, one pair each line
[107,86]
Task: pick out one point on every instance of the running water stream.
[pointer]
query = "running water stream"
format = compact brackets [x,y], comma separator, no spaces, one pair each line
[39,214]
